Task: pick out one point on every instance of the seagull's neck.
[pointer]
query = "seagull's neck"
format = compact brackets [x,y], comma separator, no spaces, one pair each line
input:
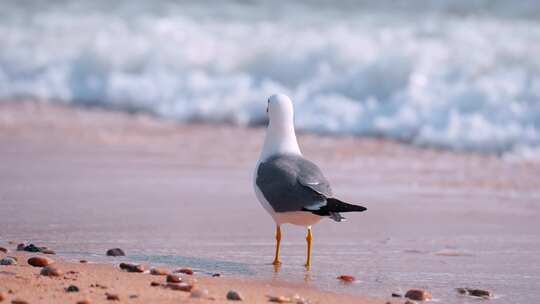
[280,139]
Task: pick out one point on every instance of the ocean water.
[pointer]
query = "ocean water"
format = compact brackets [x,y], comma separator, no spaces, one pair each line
[463,75]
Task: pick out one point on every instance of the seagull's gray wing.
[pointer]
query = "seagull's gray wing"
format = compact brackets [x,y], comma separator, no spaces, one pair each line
[292,183]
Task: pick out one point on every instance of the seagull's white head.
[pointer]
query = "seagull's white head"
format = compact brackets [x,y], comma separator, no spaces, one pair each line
[280,110]
[280,136]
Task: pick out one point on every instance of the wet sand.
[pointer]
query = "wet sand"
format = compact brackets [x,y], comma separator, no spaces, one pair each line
[96,281]
[84,180]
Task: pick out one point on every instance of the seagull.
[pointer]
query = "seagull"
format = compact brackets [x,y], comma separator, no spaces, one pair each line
[291,188]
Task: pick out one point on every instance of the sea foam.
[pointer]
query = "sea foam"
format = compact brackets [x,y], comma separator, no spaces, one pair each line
[435,76]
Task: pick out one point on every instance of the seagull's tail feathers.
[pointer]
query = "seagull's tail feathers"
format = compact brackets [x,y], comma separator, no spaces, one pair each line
[333,208]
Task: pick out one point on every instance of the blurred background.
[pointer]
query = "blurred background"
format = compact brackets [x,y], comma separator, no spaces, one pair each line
[114,115]
[461,74]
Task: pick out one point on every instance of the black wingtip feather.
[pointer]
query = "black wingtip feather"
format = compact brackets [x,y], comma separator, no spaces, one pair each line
[334,206]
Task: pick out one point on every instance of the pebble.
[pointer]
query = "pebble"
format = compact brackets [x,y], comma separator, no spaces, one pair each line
[2,296]
[154,284]
[199,293]
[116,252]
[112,297]
[50,271]
[172,278]
[185,271]
[132,267]
[83,261]
[39,261]
[216,275]
[84,301]
[346,278]
[159,271]
[31,248]
[280,299]
[8,261]
[20,247]
[133,296]
[4,250]
[299,300]
[72,288]
[48,251]
[234,296]
[409,302]
[397,295]
[180,286]
[18,301]
[97,285]
[475,292]
[418,295]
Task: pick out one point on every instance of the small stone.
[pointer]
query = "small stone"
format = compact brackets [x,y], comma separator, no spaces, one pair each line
[154,284]
[39,261]
[199,293]
[172,278]
[409,302]
[48,251]
[50,271]
[133,296]
[346,278]
[31,248]
[418,295]
[159,271]
[280,299]
[116,252]
[185,271]
[18,301]
[475,292]
[397,295]
[2,296]
[72,288]
[234,296]
[297,299]
[181,286]
[112,297]
[83,261]
[84,301]
[132,267]
[20,247]
[216,275]
[8,261]
[4,250]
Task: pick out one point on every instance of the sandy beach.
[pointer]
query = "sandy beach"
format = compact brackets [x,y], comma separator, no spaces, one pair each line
[83,180]
[96,281]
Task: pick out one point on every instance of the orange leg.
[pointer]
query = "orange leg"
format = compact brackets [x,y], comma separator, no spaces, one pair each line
[309,237]
[278,242]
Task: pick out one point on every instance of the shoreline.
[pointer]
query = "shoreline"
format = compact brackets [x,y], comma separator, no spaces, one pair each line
[95,281]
